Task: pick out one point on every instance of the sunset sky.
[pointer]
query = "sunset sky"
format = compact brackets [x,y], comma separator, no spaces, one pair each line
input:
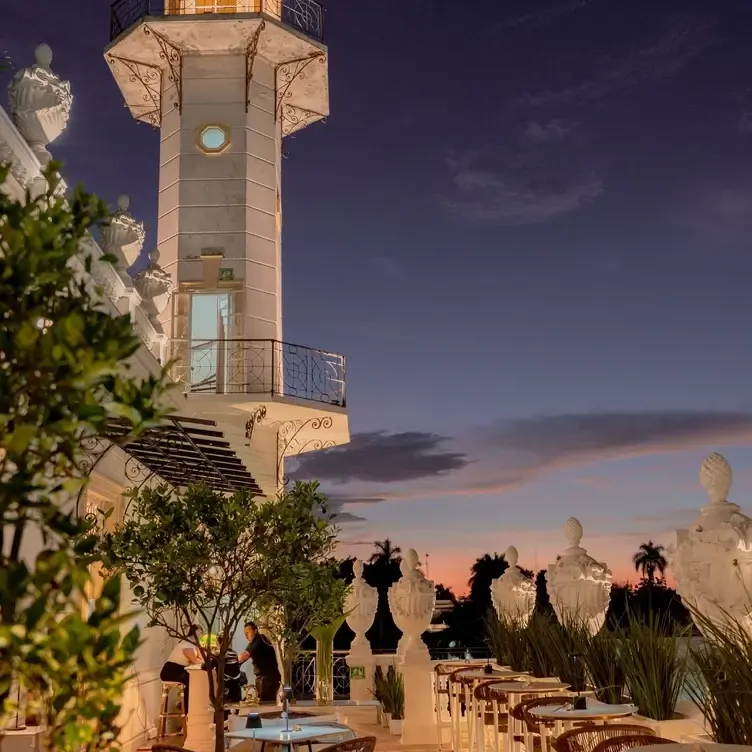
[528,227]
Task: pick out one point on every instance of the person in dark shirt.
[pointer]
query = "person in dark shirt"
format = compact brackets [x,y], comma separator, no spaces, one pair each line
[261,653]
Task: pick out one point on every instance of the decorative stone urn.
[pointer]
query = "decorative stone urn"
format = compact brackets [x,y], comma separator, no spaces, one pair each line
[712,560]
[40,103]
[412,600]
[513,594]
[154,283]
[361,605]
[579,586]
[123,236]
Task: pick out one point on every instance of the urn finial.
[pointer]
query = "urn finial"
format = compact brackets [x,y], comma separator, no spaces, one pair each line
[40,103]
[358,569]
[716,477]
[573,532]
[512,556]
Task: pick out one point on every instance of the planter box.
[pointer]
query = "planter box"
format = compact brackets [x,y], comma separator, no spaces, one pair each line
[677,727]
[395,727]
[386,719]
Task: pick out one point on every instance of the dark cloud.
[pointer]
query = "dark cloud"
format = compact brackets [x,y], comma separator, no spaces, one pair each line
[347,517]
[382,457]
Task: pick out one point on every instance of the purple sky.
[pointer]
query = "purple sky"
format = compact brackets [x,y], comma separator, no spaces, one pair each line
[528,228]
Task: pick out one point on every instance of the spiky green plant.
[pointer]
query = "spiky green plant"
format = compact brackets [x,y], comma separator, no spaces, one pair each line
[568,641]
[655,665]
[721,679]
[507,641]
[602,659]
[541,635]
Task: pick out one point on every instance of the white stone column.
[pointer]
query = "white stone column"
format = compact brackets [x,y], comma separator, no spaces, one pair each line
[513,594]
[200,730]
[712,560]
[412,601]
[40,103]
[579,586]
[360,606]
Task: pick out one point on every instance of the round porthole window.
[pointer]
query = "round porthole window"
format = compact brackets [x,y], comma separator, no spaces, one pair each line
[213,139]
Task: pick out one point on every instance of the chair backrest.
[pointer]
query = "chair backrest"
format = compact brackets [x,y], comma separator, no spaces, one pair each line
[630,742]
[362,744]
[587,739]
[533,723]
[483,691]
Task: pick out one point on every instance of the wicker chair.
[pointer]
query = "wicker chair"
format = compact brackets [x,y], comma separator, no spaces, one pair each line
[630,742]
[587,739]
[363,744]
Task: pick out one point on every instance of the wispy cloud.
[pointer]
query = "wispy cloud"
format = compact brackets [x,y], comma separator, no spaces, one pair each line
[720,214]
[687,36]
[504,456]
[543,172]
[540,17]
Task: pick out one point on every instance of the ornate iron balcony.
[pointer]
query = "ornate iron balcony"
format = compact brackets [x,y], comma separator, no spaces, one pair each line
[307,16]
[258,366]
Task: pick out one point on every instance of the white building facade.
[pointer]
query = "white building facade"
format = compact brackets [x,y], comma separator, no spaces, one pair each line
[211,295]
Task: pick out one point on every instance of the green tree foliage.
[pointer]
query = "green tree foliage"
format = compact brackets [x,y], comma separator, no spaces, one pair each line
[308,591]
[64,377]
[198,556]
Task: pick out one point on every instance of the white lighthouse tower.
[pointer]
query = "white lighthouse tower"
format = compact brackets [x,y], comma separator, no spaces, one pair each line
[225,81]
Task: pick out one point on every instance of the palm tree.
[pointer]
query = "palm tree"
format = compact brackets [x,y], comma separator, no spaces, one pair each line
[649,559]
[385,553]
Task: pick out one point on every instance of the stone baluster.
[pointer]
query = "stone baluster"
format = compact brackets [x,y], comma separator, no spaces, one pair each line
[123,236]
[712,560]
[412,600]
[40,103]
[578,585]
[360,606]
[513,594]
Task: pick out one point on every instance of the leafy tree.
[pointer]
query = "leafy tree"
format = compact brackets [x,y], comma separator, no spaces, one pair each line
[542,601]
[485,569]
[308,592]
[382,571]
[385,553]
[445,594]
[197,556]
[649,559]
[64,377]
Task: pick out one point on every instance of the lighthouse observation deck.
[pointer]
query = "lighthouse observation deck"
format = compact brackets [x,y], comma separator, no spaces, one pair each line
[305,16]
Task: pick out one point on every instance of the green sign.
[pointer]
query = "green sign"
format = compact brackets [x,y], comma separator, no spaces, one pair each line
[226,275]
[357,672]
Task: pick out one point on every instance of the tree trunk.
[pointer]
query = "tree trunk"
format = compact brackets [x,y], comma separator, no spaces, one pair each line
[219,727]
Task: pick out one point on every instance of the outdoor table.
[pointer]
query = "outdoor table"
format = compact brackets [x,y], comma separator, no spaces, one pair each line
[565,716]
[516,689]
[275,734]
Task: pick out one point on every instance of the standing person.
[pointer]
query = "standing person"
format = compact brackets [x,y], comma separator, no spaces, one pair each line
[261,653]
[184,654]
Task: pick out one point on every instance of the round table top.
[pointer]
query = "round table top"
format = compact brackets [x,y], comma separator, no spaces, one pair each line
[709,746]
[529,688]
[275,733]
[595,710]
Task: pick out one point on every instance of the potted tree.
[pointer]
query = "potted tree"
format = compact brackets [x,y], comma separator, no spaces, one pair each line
[309,592]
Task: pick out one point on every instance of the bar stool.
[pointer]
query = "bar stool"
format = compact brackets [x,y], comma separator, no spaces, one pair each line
[164,708]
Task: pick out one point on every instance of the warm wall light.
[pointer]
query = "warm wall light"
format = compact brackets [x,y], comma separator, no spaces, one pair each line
[213,138]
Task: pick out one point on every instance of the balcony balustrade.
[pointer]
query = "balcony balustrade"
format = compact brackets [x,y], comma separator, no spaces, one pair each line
[306,16]
[259,367]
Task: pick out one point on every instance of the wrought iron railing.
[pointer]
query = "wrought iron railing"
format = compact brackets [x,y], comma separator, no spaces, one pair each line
[258,366]
[307,16]
[304,675]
